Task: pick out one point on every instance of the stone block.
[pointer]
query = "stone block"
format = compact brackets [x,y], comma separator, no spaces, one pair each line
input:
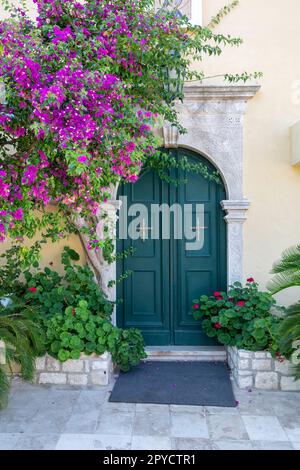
[289,384]
[244,373]
[245,382]
[243,364]
[105,357]
[73,366]
[40,363]
[267,381]
[262,364]
[99,365]
[243,354]
[52,378]
[77,379]
[99,378]
[284,368]
[260,355]
[52,364]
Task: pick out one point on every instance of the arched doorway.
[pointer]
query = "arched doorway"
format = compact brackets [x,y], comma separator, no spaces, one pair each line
[165,276]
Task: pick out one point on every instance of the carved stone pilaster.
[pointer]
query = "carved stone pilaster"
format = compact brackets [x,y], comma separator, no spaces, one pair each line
[235,218]
[106,228]
[170,136]
[108,219]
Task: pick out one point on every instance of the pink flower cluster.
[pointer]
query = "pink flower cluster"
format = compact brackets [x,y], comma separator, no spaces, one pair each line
[76,110]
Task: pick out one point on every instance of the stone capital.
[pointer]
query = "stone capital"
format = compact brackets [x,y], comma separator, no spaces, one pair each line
[236,211]
[170,136]
[220,92]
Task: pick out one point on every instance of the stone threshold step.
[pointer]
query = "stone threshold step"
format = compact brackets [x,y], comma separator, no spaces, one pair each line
[181,353]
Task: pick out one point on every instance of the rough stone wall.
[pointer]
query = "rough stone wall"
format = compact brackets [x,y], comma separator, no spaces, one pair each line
[260,371]
[88,370]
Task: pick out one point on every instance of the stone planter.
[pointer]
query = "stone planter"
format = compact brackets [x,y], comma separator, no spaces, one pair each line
[258,370]
[86,371]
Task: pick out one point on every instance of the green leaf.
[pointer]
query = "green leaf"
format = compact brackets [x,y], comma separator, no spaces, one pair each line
[63,355]
[75,354]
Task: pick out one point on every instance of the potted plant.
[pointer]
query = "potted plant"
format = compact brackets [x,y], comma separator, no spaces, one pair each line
[245,321]
[240,317]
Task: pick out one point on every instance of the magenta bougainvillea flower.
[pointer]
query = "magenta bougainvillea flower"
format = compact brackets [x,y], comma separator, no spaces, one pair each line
[82,159]
[85,85]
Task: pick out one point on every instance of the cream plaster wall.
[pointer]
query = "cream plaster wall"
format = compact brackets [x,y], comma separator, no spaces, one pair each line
[270,29]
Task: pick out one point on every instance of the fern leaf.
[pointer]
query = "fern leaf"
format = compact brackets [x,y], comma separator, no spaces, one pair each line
[286,270]
[290,260]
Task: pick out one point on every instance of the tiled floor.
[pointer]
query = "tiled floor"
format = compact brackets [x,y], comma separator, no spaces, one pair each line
[61,418]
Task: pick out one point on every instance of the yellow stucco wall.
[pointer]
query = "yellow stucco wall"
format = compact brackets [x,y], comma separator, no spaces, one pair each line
[270,29]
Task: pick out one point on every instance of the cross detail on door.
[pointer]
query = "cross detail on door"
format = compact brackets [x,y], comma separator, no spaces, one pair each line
[143,230]
[198,228]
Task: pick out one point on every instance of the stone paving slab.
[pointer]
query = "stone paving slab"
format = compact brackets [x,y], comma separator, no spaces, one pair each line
[85,419]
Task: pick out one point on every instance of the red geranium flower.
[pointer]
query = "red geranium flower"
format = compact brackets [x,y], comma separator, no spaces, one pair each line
[32,289]
[241,303]
[196,306]
[218,325]
[220,297]
[217,294]
[250,279]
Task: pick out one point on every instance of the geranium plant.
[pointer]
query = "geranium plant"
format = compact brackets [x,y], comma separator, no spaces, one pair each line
[78,331]
[241,317]
[84,86]
[52,292]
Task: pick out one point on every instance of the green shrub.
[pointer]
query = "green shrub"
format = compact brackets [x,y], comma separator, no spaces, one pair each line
[72,309]
[53,292]
[242,317]
[287,275]
[290,337]
[79,331]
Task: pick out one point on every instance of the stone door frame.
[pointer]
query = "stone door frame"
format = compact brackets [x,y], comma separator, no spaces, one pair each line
[214,119]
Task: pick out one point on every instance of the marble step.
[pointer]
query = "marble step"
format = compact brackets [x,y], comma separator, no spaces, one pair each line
[191,353]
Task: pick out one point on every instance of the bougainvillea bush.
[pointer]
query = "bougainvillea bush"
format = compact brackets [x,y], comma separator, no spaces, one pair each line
[242,317]
[84,86]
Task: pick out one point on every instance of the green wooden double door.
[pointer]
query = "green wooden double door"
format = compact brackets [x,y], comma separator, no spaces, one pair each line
[165,276]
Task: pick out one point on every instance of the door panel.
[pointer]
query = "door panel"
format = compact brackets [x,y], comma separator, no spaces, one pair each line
[197,272]
[166,277]
[145,291]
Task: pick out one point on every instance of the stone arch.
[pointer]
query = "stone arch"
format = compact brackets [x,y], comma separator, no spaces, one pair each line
[211,160]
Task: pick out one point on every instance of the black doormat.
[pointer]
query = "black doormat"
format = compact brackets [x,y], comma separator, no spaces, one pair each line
[176,383]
